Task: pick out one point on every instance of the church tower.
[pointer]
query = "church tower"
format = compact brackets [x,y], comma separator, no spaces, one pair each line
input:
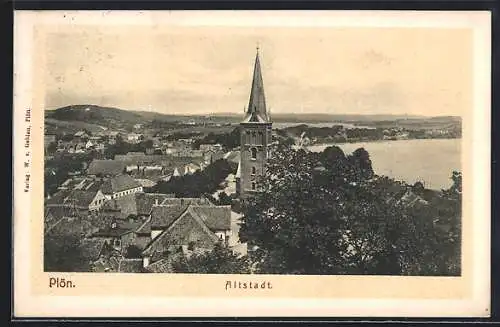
[256,132]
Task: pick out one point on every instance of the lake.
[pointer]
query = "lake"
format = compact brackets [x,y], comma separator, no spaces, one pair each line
[319,125]
[430,161]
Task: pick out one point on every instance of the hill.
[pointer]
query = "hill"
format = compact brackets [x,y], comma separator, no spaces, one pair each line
[76,116]
[109,117]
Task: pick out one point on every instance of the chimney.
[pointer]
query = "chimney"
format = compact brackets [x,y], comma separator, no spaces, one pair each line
[156,201]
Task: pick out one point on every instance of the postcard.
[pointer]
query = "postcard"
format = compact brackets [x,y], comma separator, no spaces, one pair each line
[251,163]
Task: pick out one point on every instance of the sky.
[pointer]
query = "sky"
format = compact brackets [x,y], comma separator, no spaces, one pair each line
[204,70]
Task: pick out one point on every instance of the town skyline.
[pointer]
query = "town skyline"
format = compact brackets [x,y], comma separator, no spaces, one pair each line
[356,72]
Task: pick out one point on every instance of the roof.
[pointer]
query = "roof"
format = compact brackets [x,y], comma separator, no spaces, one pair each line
[163,216]
[92,248]
[89,184]
[130,266]
[111,232]
[106,167]
[185,201]
[81,198]
[71,226]
[145,228]
[216,218]
[80,133]
[119,183]
[125,204]
[188,227]
[257,111]
[163,265]
[238,172]
[254,117]
[57,198]
[145,201]
[232,156]
[78,198]
[146,182]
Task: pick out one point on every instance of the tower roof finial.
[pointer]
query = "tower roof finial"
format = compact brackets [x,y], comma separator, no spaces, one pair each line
[257,47]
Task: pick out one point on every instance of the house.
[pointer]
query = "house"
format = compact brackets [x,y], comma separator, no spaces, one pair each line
[134,137]
[119,186]
[191,168]
[81,135]
[146,182]
[96,138]
[210,147]
[106,167]
[88,200]
[118,238]
[53,214]
[101,147]
[136,204]
[71,222]
[112,137]
[185,224]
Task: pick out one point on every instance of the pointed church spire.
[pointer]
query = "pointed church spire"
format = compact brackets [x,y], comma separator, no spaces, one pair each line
[256,111]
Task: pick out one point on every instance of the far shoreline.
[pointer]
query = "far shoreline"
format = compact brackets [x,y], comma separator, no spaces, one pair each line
[374,141]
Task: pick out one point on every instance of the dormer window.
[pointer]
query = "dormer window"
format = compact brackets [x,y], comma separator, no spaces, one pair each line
[253,186]
[254,170]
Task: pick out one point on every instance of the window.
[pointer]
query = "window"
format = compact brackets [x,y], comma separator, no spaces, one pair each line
[253,185]
[253,170]
[254,153]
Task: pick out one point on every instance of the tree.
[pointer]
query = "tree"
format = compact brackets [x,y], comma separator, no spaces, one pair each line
[360,160]
[52,147]
[133,252]
[206,181]
[338,220]
[221,260]
[224,199]
[63,253]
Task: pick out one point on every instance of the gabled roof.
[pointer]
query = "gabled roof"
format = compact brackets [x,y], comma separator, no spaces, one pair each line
[58,198]
[217,218]
[78,198]
[119,183]
[180,232]
[106,167]
[163,216]
[81,198]
[145,228]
